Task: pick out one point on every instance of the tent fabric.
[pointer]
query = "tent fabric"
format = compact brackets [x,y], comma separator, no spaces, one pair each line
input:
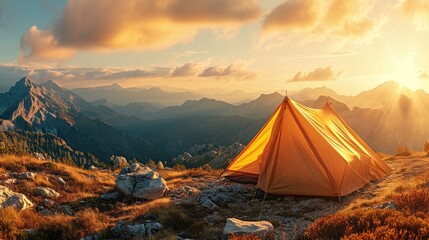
[305,151]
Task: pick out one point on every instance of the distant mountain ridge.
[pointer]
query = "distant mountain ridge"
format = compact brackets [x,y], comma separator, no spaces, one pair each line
[48,108]
[122,96]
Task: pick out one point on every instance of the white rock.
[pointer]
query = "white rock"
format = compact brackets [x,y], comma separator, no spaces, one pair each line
[46,192]
[236,227]
[9,198]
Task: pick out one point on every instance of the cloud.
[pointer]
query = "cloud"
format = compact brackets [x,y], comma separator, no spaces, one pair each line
[322,19]
[423,75]
[187,70]
[37,43]
[236,71]
[9,74]
[319,74]
[292,15]
[417,10]
[133,24]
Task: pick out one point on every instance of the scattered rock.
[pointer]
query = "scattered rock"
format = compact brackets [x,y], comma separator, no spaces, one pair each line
[130,230]
[190,191]
[93,237]
[61,181]
[47,212]
[65,209]
[9,198]
[46,192]
[9,181]
[223,195]
[159,166]
[223,160]
[235,227]
[387,205]
[141,182]
[118,162]
[208,203]
[152,228]
[110,196]
[27,175]
[48,203]
[39,156]
[213,218]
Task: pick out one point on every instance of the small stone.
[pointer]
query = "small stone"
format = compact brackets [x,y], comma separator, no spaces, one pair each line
[61,181]
[208,204]
[48,203]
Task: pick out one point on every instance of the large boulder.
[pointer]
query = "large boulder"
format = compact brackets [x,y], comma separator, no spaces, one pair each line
[237,228]
[118,162]
[141,182]
[46,192]
[9,198]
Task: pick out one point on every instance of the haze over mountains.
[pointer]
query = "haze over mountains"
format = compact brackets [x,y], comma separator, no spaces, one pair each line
[142,127]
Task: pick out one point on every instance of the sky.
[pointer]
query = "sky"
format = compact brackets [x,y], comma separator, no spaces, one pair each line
[250,45]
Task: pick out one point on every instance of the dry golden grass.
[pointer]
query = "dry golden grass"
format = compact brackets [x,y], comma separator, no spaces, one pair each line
[80,183]
[41,180]
[60,226]
[407,187]
[129,212]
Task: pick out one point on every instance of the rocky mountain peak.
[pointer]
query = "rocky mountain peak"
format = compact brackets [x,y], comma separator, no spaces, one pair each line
[22,87]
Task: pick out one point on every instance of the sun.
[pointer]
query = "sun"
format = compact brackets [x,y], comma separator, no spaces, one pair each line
[406,73]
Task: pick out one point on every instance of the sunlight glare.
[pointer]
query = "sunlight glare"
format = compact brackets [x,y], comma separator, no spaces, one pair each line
[406,73]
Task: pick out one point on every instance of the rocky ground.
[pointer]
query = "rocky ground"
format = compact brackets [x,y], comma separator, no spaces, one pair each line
[136,202]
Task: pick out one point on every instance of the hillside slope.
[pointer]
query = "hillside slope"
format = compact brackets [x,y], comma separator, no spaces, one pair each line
[85,209]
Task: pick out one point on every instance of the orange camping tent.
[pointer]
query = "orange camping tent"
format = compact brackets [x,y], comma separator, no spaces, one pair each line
[305,151]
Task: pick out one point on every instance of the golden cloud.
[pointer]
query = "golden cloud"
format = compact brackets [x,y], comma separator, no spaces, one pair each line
[417,10]
[236,71]
[40,44]
[319,74]
[292,15]
[323,18]
[186,70]
[135,24]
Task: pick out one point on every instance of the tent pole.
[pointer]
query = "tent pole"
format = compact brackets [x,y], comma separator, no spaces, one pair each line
[262,207]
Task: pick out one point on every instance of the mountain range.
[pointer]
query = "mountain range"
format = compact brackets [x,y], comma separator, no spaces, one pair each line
[49,109]
[386,117]
[117,95]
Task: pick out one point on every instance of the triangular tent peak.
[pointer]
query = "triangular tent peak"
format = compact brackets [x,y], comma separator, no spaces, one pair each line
[306,151]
